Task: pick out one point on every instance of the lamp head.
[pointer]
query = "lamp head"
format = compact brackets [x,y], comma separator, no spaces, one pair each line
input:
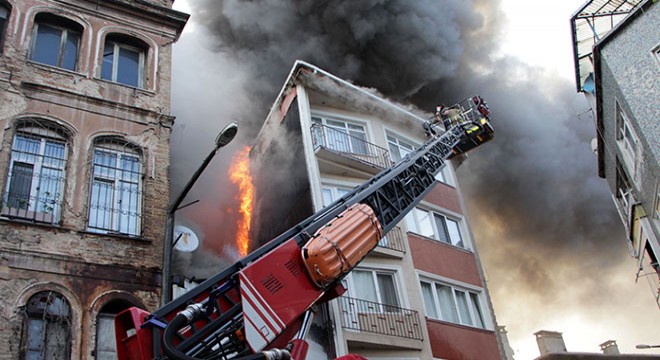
[226,135]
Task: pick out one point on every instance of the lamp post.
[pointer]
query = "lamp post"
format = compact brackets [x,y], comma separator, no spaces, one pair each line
[644,346]
[225,136]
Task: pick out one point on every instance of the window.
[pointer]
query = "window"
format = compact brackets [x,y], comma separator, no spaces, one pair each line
[399,148]
[341,136]
[332,193]
[106,347]
[626,138]
[657,203]
[55,41]
[115,200]
[4,15]
[35,183]
[47,328]
[124,60]
[435,226]
[624,196]
[452,304]
[376,286]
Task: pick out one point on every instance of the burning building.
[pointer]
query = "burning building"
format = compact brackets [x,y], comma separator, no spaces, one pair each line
[421,293]
[85,139]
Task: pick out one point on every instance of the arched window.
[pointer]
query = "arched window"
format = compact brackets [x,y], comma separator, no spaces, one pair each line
[106,347]
[116,190]
[4,16]
[55,41]
[124,60]
[47,327]
[35,182]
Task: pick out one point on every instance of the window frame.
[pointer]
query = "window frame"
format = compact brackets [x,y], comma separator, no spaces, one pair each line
[351,147]
[414,224]
[66,30]
[32,315]
[351,287]
[626,138]
[121,42]
[475,316]
[443,175]
[40,208]
[5,22]
[115,146]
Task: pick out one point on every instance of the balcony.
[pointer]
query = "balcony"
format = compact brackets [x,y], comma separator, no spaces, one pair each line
[370,317]
[350,151]
[394,240]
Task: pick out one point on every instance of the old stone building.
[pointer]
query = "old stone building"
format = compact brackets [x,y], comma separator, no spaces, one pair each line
[84,155]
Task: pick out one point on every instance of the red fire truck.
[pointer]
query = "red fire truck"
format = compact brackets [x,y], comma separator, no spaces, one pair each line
[261,307]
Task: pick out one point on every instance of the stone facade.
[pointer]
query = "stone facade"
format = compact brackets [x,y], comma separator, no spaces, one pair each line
[53,242]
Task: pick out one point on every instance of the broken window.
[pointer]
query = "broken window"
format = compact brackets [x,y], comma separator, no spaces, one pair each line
[35,183]
[124,60]
[116,190]
[55,41]
[47,327]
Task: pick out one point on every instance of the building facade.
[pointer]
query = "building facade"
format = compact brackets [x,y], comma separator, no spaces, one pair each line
[421,293]
[617,52]
[84,158]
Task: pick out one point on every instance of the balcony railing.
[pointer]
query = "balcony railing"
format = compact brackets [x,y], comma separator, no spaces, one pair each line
[350,146]
[368,316]
[393,240]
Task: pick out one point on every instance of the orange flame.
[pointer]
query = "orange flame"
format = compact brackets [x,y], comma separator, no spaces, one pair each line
[239,174]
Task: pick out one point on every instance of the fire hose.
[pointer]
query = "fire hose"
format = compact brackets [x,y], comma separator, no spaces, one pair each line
[187,317]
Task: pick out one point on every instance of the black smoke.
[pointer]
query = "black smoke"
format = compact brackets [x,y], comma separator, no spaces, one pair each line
[547,231]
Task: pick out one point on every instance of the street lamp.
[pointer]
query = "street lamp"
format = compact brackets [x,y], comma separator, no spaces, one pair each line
[644,346]
[225,136]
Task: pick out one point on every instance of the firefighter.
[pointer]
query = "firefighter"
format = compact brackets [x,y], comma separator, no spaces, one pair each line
[450,116]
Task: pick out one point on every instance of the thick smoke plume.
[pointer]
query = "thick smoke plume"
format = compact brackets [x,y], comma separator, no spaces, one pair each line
[547,232]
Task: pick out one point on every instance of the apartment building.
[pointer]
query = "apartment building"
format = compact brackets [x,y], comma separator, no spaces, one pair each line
[84,156]
[421,293]
[617,57]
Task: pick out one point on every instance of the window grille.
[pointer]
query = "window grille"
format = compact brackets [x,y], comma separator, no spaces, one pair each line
[35,181]
[116,189]
[47,328]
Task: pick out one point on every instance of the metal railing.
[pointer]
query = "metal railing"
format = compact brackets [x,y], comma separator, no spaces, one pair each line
[349,146]
[372,317]
[393,240]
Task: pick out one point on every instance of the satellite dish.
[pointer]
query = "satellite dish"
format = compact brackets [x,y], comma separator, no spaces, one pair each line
[187,239]
[594,146]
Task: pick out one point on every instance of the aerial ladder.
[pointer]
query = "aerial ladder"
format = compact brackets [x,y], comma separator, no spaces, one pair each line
[261,307]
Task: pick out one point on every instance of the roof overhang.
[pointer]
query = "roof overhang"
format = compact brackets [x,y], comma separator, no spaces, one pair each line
[589,25]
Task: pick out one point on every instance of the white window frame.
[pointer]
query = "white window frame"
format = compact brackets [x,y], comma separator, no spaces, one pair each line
[351,148]
[349,283]
[116,180]
[117,46]
[626,138]
[403,145]
[335,191]
[415,222]
[472,294]
[393,139]
[41,204]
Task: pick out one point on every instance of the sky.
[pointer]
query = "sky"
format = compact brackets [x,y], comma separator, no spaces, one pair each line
[551,244]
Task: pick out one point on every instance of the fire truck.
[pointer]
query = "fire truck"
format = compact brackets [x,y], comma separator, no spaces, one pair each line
[261,307]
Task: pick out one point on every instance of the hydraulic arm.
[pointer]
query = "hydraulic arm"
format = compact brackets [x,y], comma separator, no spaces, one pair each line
[261,301]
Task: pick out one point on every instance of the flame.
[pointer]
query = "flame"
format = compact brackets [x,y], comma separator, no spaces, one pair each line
[239,174]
